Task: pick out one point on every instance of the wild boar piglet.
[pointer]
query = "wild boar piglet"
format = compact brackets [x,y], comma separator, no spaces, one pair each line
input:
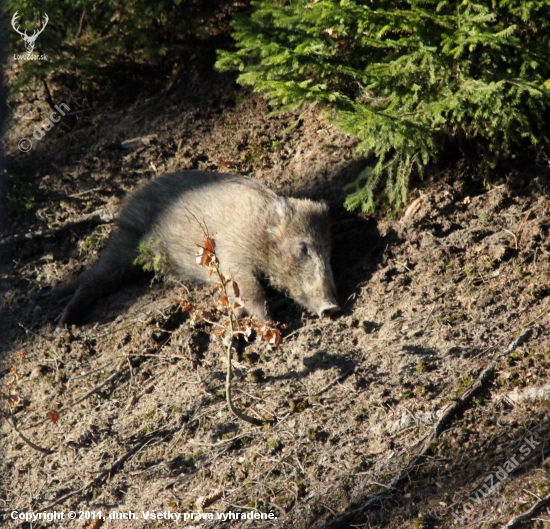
[257,233]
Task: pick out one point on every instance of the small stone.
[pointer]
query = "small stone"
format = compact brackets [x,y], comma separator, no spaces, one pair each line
[37,372]
[369,326]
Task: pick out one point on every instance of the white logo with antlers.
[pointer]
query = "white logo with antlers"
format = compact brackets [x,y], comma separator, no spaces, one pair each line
[30,40]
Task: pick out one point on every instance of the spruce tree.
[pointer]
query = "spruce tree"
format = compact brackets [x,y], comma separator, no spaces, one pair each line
[405,77]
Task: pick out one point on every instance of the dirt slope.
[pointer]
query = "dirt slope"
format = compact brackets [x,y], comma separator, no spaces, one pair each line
[430,300]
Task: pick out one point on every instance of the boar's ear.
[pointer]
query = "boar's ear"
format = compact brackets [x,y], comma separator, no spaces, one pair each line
[280,213]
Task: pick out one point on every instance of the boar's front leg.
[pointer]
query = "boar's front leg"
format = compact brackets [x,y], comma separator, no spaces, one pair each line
[252,293]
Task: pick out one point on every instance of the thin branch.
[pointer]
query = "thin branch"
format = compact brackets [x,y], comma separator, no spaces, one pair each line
[75,195]
[238,413]
[118,370]
[28,441]
[513,235]
[133,401]
[461,401]
[105,474]
[335,381]
[79,32]
[526,516]
[404,266]
[48,95]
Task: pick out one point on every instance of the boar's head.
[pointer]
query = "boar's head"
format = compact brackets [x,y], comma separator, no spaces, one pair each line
[298,253]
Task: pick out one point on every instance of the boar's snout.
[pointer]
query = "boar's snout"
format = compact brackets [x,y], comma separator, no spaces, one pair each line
[322,298]
[329,309]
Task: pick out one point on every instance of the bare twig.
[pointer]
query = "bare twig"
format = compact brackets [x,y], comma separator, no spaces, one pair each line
[48,95]
[335,381]
[111,377]
[459,403]
[519,231]
[223,442]
[104,474]
[234,410]
[28,441]
[118,370]
[513,235]
[159,357]
[133,400]
[428,318]
[79,32]
[503,337]
[75,195]
[404,266]
[90,372]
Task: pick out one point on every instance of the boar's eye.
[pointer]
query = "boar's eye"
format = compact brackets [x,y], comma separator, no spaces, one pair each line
[303,250]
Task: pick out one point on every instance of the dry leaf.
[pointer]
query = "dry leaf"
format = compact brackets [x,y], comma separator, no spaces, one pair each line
[209,244]
[96,524]
[196,316]
[53,415]
[270,334]
[275,339]
[413,207]
[218,333]
[205,255]
[184,304]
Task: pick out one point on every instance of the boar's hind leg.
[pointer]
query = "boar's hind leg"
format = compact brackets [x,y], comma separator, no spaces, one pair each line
[113,268]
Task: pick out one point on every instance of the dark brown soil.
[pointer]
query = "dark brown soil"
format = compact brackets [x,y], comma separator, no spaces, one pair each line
[429,300]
